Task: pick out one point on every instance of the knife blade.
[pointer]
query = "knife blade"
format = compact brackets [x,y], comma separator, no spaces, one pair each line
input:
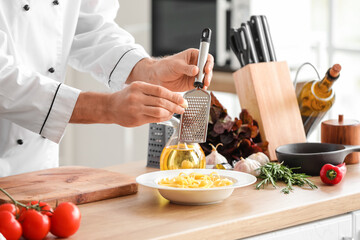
[268,38]
[257,30]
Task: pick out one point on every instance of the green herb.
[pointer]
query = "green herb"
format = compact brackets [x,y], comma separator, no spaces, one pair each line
[274,172]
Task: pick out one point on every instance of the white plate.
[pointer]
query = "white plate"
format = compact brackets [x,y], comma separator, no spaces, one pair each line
[195,196]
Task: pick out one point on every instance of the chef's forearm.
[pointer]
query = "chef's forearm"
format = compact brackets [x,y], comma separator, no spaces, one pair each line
[91,107]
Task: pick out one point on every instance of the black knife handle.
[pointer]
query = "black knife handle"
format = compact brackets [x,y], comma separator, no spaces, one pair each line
[268,38]
[259,38]
[250,40]
[244,46]
[234,45]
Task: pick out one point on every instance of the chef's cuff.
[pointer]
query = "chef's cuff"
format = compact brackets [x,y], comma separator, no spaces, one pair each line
[124,65]
[59,113]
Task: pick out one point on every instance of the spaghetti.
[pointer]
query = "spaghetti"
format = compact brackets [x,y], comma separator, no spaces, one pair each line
[196,180]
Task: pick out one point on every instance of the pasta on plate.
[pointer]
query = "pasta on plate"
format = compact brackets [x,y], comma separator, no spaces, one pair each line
[196,180]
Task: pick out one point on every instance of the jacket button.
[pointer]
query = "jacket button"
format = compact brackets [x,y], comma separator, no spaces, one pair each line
[56,2]
[26,7]
[51,70]
[20,141]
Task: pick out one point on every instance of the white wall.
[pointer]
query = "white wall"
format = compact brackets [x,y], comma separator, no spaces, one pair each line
[100,145]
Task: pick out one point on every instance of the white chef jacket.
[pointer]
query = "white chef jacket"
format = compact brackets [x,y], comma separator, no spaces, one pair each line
[38,38]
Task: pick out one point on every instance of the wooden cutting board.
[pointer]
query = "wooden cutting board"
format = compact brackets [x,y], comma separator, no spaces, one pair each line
[67,184]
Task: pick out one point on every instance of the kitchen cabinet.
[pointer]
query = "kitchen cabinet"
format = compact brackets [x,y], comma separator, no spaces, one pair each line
[344,227]
[356,224]
[335,228]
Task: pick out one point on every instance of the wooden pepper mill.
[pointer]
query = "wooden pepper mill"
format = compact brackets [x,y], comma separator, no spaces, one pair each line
[342,131]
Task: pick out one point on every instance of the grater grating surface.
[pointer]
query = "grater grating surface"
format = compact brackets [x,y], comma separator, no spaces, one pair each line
[194,121]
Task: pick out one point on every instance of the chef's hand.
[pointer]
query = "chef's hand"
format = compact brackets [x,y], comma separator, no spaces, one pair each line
[137,104]
[176,73]
[142,103]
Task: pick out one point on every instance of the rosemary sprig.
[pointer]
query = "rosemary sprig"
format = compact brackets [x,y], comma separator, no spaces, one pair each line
[274,172]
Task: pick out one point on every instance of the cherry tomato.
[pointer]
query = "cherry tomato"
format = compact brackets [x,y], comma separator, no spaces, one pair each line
[10,208]
[10,228]
[34,224]
[65,220]
[45,208]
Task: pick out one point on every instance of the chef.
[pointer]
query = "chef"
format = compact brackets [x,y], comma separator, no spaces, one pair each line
[37,41]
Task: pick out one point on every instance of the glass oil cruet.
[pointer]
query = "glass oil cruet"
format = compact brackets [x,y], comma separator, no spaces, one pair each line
[178,155]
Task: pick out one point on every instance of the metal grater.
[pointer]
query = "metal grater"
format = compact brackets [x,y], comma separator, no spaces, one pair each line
[194,121]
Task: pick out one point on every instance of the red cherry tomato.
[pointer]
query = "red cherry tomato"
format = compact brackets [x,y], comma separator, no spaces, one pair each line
[65,220]
[10,228]
[34,224]
[10,208]
[45,208]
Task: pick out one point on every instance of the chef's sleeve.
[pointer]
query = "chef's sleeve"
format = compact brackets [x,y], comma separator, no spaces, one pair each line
[32,100]
[101,47]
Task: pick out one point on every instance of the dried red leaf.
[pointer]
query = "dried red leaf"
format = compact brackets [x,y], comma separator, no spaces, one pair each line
[254,130]
[240,137]
[237,125]
[215,101]
[246,117]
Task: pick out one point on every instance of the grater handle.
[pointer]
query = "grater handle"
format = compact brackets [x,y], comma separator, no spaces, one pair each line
[203,54]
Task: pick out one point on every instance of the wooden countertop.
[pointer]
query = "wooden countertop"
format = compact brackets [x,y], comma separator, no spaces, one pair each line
[247,212]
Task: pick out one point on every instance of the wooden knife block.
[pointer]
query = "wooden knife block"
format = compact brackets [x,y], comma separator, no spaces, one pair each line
[267,92]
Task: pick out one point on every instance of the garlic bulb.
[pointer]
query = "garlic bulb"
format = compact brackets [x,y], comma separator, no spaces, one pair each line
[260,157]
[248,165]
[214,157]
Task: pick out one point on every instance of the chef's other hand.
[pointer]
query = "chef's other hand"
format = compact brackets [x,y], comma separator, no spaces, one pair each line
[137,104]
[176,72]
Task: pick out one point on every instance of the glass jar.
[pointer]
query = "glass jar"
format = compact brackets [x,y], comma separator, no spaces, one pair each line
[177,155]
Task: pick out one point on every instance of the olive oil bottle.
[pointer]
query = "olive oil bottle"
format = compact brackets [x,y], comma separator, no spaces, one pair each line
[179,155]
[316,98]
[182,156]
